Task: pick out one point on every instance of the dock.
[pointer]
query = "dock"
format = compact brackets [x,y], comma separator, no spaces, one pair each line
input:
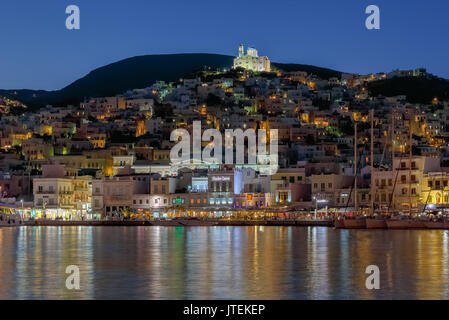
[174,223]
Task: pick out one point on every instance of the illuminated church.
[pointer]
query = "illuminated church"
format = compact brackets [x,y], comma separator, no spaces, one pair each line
[251,60]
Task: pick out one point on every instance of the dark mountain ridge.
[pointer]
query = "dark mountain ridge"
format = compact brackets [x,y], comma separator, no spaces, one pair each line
[140,72]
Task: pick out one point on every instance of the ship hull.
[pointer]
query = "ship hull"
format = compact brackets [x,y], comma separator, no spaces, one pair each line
[376,224]
[416,224]
[339,224]
[435,225]
[406,224]
[397,224]
[355,223]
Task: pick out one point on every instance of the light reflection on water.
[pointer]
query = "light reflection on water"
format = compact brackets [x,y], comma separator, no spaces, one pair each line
[222,263]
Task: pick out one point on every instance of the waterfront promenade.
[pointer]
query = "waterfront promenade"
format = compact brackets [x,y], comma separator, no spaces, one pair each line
[184,222]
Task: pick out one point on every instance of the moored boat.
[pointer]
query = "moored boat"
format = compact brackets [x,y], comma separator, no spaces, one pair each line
[9,220]
[417,224]
[435,225]
[194,222]
[397,224]
[339,224]
[358,223]
[376,223]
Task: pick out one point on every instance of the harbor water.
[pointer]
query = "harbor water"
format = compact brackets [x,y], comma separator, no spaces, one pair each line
[222,262]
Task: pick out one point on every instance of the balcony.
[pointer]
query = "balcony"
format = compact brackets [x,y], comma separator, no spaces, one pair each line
[46,192]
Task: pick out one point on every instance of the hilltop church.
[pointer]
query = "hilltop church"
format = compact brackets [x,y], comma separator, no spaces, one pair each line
[251,60]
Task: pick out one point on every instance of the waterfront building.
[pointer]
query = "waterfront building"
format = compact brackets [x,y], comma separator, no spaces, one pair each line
[407,181]
[435,191]
[62,194]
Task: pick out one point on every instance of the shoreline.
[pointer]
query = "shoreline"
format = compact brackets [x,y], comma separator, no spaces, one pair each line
[181,223]
[204,223]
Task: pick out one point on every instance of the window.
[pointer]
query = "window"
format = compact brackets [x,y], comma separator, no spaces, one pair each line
[430,184]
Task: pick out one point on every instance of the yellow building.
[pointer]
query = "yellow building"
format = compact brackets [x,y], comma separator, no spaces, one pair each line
[435,189]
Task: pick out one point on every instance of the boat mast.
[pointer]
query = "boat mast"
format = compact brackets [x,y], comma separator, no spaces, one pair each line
[372,160]
[392,158]
[355,168]
[410,155]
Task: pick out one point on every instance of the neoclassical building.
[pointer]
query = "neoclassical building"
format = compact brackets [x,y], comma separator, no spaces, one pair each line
[251,60]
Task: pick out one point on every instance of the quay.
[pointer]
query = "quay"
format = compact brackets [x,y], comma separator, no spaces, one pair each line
[184,223]
[389,224]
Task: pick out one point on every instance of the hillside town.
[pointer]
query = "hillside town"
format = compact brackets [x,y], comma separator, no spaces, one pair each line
[340,149]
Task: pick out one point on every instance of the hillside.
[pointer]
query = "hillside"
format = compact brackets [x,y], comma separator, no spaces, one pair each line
[139,72]
[417,90]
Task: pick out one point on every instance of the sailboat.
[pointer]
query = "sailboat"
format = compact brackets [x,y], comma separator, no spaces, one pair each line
[356,222]
[374,222]
[406,222]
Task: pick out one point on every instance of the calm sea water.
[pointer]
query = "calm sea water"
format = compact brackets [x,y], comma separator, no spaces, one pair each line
[222,263]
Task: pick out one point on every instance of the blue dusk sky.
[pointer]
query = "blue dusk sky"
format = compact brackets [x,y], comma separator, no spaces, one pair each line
[38,52]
